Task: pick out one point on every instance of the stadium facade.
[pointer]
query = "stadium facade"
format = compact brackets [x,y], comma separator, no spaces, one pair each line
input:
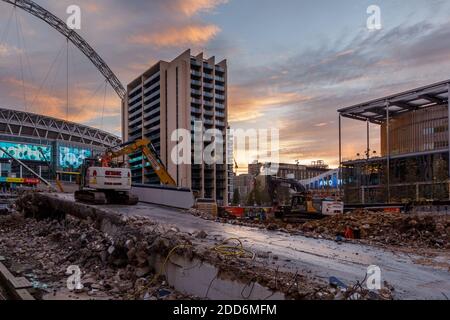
[47,145]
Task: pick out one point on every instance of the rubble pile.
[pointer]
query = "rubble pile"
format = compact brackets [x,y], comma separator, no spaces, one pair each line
[42,250]
[429,231]
[116,255]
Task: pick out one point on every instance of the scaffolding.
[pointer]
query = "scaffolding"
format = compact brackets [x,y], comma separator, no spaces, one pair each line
[414,162]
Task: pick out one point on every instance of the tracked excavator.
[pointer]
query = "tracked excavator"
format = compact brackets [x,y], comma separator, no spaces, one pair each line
[101,182]
[296,204]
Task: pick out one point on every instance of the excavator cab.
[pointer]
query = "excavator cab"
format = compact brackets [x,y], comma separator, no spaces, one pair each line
[104,185]
[299,204]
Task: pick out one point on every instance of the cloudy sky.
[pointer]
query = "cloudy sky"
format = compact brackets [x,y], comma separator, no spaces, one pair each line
[292,63]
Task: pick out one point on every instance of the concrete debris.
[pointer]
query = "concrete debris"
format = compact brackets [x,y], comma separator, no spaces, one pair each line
[42,250]
[414,231]
[395,229]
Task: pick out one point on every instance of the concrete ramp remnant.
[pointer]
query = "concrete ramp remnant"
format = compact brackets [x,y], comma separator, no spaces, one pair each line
[180,198]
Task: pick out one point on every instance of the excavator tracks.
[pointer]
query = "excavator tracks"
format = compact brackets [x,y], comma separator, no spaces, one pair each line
[102,198]
[91,197]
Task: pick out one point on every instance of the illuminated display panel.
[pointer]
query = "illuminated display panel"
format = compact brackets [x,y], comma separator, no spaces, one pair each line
[26,152]
[72,157]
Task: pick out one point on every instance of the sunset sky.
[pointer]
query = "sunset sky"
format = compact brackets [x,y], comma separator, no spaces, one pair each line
[292,63]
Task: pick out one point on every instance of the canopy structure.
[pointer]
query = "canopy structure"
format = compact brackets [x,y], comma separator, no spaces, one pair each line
[376,111]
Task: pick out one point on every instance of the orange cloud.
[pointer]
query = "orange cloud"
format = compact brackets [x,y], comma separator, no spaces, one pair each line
[7,50]
[93,7]
[82,109]
[193,7]
[189,35]
[246,105]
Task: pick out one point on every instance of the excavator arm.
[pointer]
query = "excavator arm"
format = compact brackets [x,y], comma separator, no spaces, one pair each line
[147,149]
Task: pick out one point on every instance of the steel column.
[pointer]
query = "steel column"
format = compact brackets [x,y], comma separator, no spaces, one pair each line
[388,153]
[340,179]
[368,139]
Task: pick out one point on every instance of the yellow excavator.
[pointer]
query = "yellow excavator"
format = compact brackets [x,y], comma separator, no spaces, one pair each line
[146,146]
[101,183]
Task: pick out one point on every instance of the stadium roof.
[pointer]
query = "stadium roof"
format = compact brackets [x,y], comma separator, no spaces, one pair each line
[29,125]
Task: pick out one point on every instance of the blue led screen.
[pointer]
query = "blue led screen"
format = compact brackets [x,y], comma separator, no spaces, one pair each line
[70,157]
[26,152]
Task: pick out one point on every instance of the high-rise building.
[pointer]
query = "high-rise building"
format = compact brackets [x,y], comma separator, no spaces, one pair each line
[174,95]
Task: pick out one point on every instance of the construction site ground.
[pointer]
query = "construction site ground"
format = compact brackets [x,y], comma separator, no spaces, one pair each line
[282,260]
[413,276]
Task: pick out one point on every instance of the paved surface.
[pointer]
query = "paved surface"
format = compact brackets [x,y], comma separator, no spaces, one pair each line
[323,258]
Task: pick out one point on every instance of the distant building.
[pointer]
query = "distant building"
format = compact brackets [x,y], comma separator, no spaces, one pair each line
[254,168]
[174,95]
[414,161]
[294,171]
[328,181]
[244,183]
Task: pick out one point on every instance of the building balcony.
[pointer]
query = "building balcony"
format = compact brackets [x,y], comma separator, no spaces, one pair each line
[220,79]
[208,76]
[196,92]
[220,69]
[209,113]
[208,85]
[134,100]
[196,73]
[150,115]
[220,106]
[220,123]
[220,97]
[134,103]
[135,114]
[152,122]
[196,110]
[220,114]
[152,88]
[150,97]
[130,93]
[152,77]
[208,95]
[196,63]
[195,101]
[135,136]
[155,105]
[208,66]
[135,122]
[135,130]
[208,103]
[196,83]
